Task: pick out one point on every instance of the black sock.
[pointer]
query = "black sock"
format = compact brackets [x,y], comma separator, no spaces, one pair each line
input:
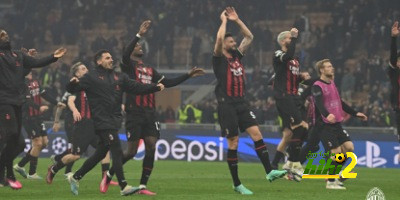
[148,163]
[33,165]
[58,166]
[117,155]
[278,157]
[2,171]
[68,167]
[10,172]
[25,159]
[233,166]
[294,151]
[262,153]
[105,167]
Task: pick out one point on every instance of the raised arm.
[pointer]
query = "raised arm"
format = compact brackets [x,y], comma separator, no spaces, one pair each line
[248,36]
[171,82]
[31,62]
[289,55]
[76,85]
[393,44]
[220,35]
[126,56]
[133,87]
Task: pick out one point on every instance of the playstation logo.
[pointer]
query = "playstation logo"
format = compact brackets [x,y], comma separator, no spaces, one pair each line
[371,158]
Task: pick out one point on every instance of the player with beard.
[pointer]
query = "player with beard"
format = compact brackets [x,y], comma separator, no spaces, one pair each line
[104,88]
[14,66]
[288,101]
[141,122]
[330,107]
[233,109]
[82,130]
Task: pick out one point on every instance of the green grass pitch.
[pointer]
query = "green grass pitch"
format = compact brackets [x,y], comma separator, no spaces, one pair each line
[205,180]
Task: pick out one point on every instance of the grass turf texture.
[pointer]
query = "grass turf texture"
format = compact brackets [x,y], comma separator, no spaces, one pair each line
[204,180]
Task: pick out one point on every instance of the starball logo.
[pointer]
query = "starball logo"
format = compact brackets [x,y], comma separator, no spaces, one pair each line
[326,169]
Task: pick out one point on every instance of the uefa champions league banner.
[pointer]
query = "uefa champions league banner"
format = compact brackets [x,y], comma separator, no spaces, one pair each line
[372,150]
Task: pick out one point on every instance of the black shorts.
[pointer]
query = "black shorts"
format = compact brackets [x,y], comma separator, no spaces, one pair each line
[83,136]
[289,109]
[332,135]
[69,129]
[235,116]
[35,128]
[141,125]
[107,137]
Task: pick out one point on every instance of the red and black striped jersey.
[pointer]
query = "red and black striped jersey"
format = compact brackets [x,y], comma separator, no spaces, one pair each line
[287,75]
[82,104]
[146,75]
[231,77]
[34,100]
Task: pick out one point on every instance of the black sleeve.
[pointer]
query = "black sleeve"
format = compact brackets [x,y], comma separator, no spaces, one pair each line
[48,97]
[306,93]
[393,52]
[134,87]
[319,100]
[84,84]
[169,82]
[286,56]
[31,62]
[126,55]
[348,109]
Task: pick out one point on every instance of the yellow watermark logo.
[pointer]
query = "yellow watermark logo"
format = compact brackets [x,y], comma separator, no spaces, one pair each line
[326,169]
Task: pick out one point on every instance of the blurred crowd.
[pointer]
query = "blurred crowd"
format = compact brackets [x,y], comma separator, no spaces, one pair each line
[356,38]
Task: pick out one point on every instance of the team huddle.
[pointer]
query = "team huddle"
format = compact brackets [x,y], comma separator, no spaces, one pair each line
[97,101]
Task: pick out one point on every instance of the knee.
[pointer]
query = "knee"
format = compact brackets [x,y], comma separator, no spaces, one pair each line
[233,142]
[287,134]
[37,143]
[76,157]
[349,148]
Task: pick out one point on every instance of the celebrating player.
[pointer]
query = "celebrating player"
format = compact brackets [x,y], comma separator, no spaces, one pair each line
[104,87]
[83,131]
[288,101]
[141,122]
[14,66]
[330,107]
[233,109]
